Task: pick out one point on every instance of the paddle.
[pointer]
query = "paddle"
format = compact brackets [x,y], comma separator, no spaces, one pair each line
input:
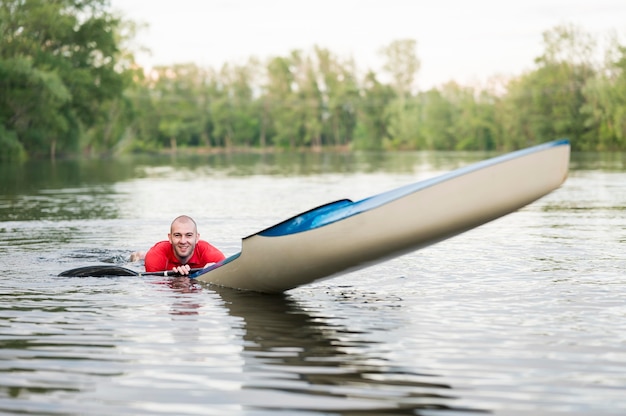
[111,270]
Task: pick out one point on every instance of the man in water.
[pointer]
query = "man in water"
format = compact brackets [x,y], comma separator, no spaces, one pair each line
[184,250]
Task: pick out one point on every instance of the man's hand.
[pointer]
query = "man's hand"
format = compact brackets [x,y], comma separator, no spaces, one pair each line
[182,270]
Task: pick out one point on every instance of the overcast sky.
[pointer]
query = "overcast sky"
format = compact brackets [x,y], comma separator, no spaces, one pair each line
[463,40]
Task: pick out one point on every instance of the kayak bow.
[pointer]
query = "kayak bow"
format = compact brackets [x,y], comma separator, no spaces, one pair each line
[344,236]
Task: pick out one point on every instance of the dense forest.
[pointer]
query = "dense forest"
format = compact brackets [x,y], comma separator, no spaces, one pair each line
[69,85]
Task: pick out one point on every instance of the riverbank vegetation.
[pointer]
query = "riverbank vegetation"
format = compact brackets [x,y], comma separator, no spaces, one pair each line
[70,85]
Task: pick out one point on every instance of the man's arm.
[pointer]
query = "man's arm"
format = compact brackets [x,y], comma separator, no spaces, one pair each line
[156,259]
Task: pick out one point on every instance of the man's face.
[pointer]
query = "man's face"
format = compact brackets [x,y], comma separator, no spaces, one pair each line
[183,237]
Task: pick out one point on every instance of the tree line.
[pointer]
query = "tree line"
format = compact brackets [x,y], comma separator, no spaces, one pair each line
[70,85]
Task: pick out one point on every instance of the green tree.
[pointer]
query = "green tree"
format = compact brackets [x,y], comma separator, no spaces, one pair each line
[178,103]
[236,113]
[31,108]
[605,107]
[373,114]
[61,68]
[340,94]
[437,119]
[546,103]
[402,64]
[282,101]
[144,129]
[472,121]
[313,103]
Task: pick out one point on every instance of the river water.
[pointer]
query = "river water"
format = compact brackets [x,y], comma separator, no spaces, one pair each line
[522,316]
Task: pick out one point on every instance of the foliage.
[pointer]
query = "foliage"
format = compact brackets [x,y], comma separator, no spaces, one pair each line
[372,119]
[549,100]
[69,85]
[605,105]
[313,99]
[60,71]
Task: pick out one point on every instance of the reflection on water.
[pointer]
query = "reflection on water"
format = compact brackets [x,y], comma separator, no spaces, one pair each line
[85,189]
[84,348]
[295,357]
[524,315]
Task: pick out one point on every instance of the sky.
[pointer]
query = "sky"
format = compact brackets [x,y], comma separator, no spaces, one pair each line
[468,41]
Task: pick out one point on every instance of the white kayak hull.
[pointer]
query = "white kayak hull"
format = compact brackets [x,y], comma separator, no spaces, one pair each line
[345,236]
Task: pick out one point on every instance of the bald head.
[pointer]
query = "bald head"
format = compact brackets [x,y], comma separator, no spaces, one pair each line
[183,219]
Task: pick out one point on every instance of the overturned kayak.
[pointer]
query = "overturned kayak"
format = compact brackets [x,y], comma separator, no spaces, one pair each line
[344,236]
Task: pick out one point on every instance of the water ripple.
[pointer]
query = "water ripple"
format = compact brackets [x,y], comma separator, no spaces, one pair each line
[522,316]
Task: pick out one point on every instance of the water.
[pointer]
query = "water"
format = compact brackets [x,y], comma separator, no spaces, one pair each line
[523,316]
